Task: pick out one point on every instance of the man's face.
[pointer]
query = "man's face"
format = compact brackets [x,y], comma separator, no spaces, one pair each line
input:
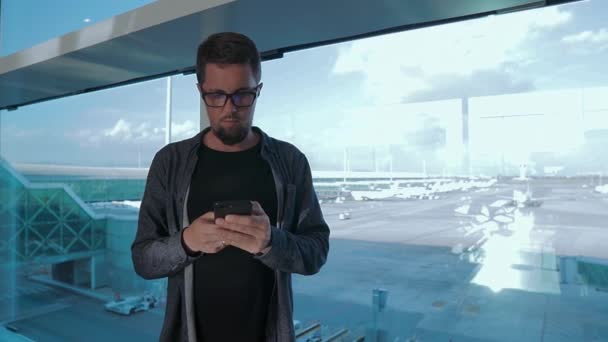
[230,123]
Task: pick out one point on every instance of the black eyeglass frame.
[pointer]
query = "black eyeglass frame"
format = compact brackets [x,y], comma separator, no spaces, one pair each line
[253,91]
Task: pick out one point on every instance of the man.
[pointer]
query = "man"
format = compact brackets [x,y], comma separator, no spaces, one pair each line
[229,279]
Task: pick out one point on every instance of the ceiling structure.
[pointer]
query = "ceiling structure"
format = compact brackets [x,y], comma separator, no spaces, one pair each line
[161,38]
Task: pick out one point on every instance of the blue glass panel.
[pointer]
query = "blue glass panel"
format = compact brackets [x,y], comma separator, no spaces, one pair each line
[45,20]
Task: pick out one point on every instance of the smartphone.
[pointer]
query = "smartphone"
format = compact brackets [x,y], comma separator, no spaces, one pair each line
[223,208]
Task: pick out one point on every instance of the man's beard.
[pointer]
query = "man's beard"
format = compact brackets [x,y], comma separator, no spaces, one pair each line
[231,137]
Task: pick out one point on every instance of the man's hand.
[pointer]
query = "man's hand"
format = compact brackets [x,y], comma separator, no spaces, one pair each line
[203,235]
[249,233]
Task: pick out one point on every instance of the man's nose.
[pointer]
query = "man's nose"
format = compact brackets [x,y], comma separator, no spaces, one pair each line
[230,107]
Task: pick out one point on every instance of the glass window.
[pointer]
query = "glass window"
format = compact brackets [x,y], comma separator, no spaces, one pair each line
[110,128]
[72,175]
[461,169]
[185,107]
[73,160]
[50,19]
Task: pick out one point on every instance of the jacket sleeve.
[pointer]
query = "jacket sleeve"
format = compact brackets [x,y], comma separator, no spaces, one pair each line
[304,249]
[156,253]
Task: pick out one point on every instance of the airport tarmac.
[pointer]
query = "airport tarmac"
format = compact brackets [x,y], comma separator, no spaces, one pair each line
[481,274]
[492,274]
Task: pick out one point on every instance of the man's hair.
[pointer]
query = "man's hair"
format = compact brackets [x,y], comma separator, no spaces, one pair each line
[228,48]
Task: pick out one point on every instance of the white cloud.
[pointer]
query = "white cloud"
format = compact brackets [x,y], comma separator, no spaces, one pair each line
[400,64]
[122,129]
[542,18]
[185,129]
[599,36]
[126,131]
[143,130]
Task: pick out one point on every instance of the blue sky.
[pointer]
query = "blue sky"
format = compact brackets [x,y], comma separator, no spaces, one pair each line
[53,18]
[349,95]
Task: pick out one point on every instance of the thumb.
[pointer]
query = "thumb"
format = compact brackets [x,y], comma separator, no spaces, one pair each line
[256,209]
[208,216]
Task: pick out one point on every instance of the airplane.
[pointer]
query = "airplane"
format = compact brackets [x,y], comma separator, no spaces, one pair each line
[522,199]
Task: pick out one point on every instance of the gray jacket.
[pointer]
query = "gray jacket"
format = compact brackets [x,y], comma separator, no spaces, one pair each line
[300,238]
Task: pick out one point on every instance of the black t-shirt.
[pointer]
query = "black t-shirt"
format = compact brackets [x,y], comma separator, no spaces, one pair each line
[231,288]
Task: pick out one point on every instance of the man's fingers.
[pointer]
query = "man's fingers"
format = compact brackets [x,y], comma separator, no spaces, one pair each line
[216,246]
[237,239]
[254,221]
[208,216]
[256,209]
[247,230]
[213,237]
[235,219]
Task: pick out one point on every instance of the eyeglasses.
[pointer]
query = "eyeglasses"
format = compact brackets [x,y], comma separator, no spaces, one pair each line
[240,99]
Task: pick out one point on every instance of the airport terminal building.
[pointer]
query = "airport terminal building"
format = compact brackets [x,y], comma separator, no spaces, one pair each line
[457,149]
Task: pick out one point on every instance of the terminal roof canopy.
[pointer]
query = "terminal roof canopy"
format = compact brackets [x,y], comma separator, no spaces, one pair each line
[161,38]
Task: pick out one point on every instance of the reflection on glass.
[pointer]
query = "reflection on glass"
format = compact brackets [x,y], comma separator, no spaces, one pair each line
[72,175]
[48,20]
[509,253]
[466,178]
[461,169]
[185,105]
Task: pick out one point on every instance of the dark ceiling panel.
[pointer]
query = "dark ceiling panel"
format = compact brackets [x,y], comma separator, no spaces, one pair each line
[275,25]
